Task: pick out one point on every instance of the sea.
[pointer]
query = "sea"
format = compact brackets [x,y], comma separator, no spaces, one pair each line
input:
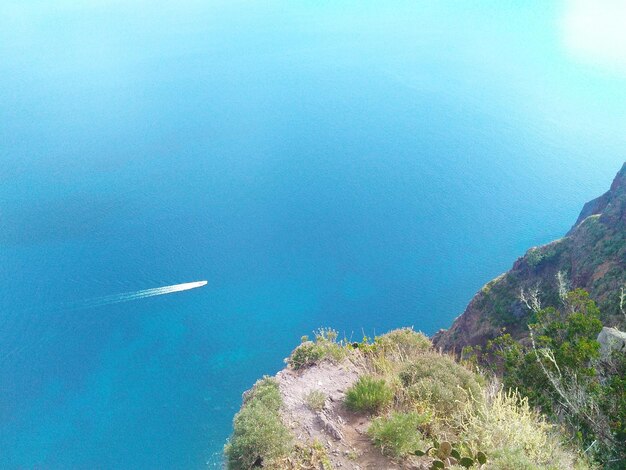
[356,165]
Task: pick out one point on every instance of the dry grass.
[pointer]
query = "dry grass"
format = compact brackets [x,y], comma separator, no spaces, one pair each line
[501,424]
[460,405]
[315,400]
[417,396]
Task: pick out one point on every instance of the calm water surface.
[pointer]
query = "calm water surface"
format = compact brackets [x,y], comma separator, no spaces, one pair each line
[318,163]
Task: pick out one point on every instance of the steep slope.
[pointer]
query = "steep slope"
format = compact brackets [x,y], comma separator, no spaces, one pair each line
[592,256]
[394,403]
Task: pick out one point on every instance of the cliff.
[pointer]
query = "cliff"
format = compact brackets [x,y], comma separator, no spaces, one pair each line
[400,402]
[592,256]
[391,403]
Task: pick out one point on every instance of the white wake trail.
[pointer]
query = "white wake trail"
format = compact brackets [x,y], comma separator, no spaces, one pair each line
[53,326]
[142,294]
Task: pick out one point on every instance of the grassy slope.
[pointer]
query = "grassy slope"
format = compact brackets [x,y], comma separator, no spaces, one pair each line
[412,396]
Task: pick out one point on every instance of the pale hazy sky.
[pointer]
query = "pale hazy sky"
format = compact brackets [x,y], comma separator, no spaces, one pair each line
[594,32]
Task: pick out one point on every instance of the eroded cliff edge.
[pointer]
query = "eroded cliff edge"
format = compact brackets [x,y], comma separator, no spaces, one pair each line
[592,256]
[390,403]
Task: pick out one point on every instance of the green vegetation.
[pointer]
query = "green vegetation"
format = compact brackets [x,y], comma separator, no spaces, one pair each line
[539,395]
[401,343]
[534,257]
[260,438]
[438,383]
[307,354]
[398,434]
[446,456]
[419,401]
[539,256]
[592,254]
[259,435]
[612,397]
[592,229]
[304,457]
[512,434]
[315,400]
[559,371]
[438,399]
[324,347]
[368,395]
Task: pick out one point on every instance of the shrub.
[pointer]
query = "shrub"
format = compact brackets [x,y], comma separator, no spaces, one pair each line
[534,257]
[441,384]
[560,373]
[571,332]
[512,434]
[315,400]
[368,395]
[403,343]
[511,459]
[308,456]
[259,434]
[308,353]
[398,435]
[325,346]
[388,352]
[613,400]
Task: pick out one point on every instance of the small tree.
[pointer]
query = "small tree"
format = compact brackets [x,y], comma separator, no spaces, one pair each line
[571,332]
[561,372]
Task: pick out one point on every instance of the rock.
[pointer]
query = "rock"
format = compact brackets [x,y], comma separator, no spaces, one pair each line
[611,339]
[330,427]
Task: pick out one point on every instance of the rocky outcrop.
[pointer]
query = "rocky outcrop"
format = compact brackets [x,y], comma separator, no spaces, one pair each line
[611,339]
[610,206]
[592,256]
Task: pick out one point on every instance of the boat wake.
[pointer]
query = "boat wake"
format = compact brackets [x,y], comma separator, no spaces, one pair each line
[33,329]
[141,294]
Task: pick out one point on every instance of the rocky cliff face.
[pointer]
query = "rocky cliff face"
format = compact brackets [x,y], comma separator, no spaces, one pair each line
[592,256]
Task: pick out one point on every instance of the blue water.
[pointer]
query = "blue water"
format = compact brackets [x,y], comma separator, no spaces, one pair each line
[319,163]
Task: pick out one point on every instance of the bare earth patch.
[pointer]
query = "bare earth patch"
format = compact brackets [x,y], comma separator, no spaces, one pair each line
[340,431]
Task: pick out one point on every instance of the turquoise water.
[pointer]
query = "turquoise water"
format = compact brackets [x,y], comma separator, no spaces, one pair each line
[318,163]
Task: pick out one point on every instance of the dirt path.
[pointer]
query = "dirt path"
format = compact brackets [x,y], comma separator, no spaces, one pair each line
[341,432]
